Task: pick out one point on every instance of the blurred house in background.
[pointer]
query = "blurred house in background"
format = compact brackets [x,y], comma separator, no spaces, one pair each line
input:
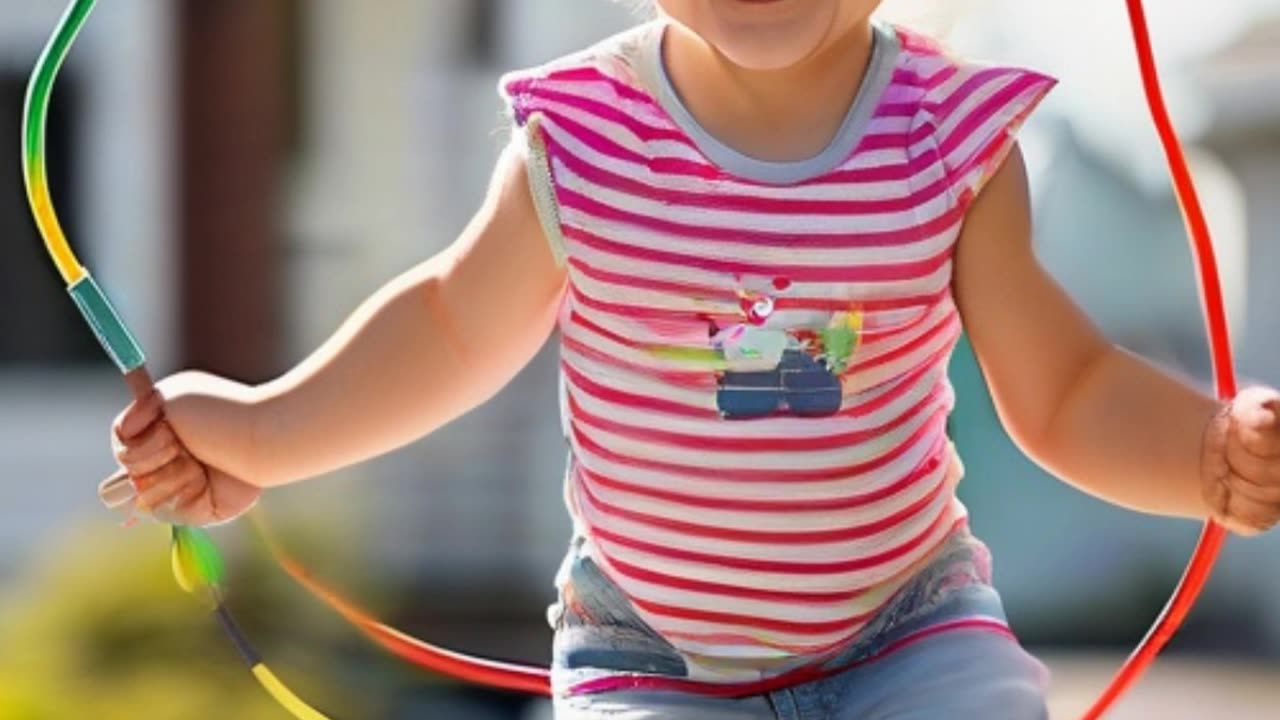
[1242,83]
[1243,86]
[111,164]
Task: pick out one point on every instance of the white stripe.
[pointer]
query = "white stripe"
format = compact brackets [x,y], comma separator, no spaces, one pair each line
[782,521]
[625,381]
[634,356]
[648,113]
[927,446]
[869,377]
[990,130]
[777,460]
[798,428]
[965,110]
[925,248]
[861,291]
[842,550]
[808,611]
[798,582]
[881,344]
[870,190]
[819,224]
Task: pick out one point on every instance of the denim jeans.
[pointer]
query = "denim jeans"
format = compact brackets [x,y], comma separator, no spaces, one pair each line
[939,649]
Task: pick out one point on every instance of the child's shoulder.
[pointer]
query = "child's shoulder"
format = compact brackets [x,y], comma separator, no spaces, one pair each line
[941,81]
[965,111]
[610,63]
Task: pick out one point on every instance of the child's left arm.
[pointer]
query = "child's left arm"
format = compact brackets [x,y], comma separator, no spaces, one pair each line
[1105,420]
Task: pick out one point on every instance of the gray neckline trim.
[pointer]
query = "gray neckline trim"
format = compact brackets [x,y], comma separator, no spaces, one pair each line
[879,74]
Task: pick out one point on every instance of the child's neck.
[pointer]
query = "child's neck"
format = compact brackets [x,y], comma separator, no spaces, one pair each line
[775,115]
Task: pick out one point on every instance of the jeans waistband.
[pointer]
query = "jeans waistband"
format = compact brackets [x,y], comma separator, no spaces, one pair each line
[599,633]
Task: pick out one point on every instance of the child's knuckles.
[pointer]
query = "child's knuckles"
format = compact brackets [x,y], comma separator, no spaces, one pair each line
[1255,516]
[149,457]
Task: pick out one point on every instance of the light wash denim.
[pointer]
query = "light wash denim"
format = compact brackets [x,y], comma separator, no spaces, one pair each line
[901,666]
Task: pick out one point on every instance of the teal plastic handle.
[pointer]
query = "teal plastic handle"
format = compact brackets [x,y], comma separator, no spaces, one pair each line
[107,325]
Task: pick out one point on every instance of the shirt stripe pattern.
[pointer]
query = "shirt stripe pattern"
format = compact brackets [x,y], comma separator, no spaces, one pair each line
[780,534]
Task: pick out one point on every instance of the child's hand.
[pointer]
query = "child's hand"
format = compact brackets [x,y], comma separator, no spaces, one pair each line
[1241,470]
[162,478]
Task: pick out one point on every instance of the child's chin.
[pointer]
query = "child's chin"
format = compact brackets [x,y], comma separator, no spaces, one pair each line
[765,52]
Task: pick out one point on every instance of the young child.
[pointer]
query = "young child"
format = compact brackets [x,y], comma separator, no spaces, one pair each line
[759,226]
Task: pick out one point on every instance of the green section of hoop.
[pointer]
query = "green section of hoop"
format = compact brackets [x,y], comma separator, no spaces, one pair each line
[107,325]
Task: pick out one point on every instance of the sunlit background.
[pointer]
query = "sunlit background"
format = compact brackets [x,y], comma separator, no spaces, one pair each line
[240,174]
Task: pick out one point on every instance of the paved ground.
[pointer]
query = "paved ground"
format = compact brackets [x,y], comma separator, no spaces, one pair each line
[1174,689]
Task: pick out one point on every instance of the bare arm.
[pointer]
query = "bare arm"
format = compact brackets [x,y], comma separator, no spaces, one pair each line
[1103,419]
[426,348]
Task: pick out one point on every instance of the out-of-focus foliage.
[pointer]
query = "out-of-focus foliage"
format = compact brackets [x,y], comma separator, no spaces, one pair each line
[101,631]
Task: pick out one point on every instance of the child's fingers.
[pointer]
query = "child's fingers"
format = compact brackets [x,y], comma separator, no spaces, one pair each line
[138,416]
[1257,428]
[1249,489]
[1248,517]
[1272,407]
[156,447]
[161,486]
[1254,469]
[186,506]
[117,490]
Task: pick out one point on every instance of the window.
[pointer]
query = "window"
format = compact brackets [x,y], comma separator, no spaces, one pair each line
[39,325]
[481,32]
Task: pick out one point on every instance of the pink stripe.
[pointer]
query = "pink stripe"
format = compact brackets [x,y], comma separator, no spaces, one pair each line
[948,324]
[556,103]
[856,405]
[596,141]
[939,108]
[908,77]
[838,272]
[724,293]
[770,537]
[926,230]
[696,380]
[633,400]
[587,74]
[731,639]
[668,165]
[728,200]
[576,318]
[553,101]
[917,43]
[724,618]
[613,114]
[811,673]
[788,444]
[768,506]
[653,577]
[757,475]
[896,141]
[861,563]
[984,113]
[996,148]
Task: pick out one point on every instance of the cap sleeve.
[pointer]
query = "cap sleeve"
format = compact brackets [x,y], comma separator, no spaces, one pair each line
[976,114]
[519,91]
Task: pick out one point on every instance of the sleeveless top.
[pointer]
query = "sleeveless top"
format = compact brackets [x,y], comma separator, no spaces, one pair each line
[754,354]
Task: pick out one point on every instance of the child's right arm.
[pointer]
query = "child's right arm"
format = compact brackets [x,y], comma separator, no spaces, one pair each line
[426,348]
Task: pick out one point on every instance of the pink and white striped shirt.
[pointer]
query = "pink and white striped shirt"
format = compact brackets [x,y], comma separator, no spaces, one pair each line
[754,354]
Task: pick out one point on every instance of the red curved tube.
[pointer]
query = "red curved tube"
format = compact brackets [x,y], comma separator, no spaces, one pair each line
[1211,539]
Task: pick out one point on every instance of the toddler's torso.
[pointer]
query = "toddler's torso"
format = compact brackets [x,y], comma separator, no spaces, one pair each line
[754,354]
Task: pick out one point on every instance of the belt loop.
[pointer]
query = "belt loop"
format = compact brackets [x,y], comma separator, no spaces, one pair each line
[784,704]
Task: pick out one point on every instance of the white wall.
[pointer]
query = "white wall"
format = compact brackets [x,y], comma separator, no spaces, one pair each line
[402,128]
